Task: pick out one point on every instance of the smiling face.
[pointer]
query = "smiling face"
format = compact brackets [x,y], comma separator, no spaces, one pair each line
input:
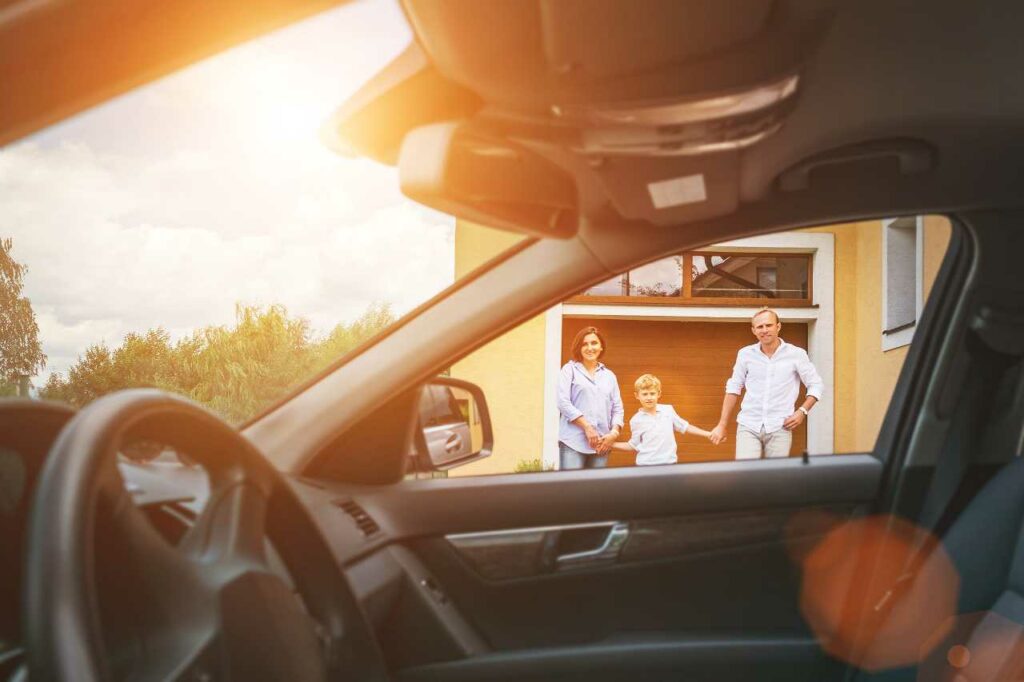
[766,327]
[591,348]
[648,397]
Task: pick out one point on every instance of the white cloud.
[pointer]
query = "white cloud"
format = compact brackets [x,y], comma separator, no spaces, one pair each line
[168,206]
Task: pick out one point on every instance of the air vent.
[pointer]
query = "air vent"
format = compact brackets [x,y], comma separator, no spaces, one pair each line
[364,521]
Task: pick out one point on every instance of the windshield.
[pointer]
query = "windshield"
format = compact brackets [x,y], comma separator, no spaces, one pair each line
[197,235]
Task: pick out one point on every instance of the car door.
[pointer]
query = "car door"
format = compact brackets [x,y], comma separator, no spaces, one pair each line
[621,574]
[690,571]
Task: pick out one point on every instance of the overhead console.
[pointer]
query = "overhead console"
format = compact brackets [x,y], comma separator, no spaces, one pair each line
[554,120]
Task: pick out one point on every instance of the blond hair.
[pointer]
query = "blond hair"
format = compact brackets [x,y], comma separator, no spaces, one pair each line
[647,381]
[763,310]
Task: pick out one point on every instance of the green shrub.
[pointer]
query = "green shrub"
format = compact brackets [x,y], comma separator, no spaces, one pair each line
[525,466]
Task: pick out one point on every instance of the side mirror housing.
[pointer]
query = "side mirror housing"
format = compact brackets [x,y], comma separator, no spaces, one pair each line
[454,427]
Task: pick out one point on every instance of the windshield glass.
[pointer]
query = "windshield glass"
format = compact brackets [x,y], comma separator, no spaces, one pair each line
[197,235]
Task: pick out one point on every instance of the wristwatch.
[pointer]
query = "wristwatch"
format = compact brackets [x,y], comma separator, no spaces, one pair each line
[804,410]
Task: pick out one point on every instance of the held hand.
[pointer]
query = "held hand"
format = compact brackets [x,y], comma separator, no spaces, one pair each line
[794,420]
[604,445]
[717,434]
[593,438]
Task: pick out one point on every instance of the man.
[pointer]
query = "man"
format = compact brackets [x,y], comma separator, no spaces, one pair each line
[771,370]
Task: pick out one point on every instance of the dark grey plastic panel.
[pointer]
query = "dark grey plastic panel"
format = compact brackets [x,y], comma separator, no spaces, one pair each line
[646,657]
[437,507]
[530,552]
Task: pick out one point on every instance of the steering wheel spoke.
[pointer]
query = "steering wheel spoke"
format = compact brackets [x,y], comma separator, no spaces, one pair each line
[231,529]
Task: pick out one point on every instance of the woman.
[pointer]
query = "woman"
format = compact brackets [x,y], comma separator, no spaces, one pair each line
[590,405]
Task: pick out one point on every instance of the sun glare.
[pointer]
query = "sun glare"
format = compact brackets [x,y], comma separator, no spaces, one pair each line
[269,100]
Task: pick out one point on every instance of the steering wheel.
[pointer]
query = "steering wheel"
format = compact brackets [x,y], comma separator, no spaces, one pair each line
[107,597]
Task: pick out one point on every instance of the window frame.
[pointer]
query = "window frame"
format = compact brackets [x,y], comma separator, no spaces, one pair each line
[686,298]
[893,337]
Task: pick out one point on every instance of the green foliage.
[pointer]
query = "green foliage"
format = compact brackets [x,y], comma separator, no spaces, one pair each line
[236,371]
[525,466]
[344,337]
[20,350]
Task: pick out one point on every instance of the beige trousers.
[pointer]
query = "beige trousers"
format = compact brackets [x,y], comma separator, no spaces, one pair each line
[753,445]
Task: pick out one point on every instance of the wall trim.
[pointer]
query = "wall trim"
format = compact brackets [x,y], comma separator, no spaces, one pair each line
[552,364]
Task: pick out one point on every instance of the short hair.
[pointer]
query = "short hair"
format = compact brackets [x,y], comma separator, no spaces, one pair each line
[765,310]
[577,343]
[647,381]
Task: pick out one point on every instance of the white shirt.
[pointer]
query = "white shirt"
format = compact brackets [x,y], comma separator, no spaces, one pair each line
[651,435]
[772,384]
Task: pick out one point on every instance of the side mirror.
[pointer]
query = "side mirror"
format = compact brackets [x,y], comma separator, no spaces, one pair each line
[454,426]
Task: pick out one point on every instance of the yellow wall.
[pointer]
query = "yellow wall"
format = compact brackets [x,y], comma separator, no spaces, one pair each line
[865,375]
[845,360]
[509,369]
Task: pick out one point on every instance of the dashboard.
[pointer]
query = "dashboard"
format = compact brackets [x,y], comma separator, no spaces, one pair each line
[414,621]
[27,430]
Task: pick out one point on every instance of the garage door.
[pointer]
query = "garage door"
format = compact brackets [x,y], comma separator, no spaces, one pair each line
[693,361]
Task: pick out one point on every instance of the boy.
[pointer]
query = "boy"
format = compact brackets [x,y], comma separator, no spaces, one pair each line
[652,426]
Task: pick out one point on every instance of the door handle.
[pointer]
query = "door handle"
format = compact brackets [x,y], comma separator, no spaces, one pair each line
[609,550]
[453,443]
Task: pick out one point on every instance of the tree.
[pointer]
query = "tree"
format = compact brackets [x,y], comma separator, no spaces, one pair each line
[235,370]
[345,337]
[239,370]
[139,362]
[20,351]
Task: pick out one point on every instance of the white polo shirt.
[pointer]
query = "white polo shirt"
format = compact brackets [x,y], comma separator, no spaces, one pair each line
[651,435]
[773,384]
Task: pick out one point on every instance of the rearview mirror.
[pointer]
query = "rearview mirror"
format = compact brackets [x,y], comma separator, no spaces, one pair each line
[488,180]
[454,425]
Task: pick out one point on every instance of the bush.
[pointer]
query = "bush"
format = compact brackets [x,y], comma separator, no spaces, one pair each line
[525,466]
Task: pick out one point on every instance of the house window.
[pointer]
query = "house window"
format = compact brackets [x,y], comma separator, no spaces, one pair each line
[901,280]
[761,277]
[712,278]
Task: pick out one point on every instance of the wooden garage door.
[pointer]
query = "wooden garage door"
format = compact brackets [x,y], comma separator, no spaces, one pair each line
[693,361]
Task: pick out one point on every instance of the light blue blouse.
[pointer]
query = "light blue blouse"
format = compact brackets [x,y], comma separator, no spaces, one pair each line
[597,399]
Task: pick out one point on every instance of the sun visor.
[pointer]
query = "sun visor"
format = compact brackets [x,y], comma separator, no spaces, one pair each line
[408,93]
[488,180]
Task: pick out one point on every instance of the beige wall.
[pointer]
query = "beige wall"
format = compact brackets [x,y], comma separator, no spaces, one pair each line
[509,369]
[865,375]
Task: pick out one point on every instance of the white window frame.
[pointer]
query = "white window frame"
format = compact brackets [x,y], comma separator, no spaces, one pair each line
[902,337]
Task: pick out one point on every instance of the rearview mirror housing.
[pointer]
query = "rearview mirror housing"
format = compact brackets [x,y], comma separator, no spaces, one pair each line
[488,180]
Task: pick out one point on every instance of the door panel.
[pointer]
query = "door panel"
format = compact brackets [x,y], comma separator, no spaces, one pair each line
[743,588]
[706,584]
[655,658]
[535,552]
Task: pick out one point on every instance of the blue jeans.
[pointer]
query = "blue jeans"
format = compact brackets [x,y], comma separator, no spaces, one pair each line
[574,459]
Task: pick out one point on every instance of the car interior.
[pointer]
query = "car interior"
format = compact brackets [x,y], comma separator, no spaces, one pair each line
[610,134]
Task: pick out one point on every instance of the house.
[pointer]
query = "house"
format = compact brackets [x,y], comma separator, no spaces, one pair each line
[850,294]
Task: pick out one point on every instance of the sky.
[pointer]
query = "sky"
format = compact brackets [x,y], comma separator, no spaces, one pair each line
[211,187]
